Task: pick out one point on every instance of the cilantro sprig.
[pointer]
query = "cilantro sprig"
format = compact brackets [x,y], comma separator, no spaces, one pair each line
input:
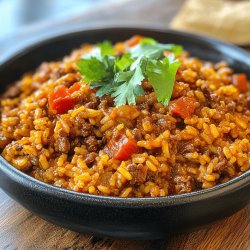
[122,76]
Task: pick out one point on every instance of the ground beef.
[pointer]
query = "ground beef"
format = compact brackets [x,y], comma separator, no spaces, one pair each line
[90,101]
[62,144]
[180,124]
[76,142]
[248,100]
[44,72]
[184,184]
[208,94]
[231,106]
[34,161]
[222,160]
[138,172]
[106,101]
[146,85]
[85,128]
[69,79]
[151,99]
[163,124]
[244,101]
[92,143]
[89,160]
[56,73]
[137,134]
[104,179]
[184,147]
[3,140]
[12,91]
[91,105]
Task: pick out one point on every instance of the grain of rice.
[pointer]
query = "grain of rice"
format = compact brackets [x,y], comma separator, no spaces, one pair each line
[103,189]
[126,192]
[124,172]
[151,166]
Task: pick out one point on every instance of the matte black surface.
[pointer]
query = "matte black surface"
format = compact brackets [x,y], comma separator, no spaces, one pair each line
[131,218]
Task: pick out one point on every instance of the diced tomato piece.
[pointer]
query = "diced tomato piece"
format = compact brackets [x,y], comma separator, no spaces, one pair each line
[184,107]
[240,82]
[134,40]
[121,148]
[63,104]
[60,91]
[60,100]
[74,88]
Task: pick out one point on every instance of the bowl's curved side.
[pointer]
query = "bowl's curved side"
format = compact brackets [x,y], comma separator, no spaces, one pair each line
[104,218]
[126,218]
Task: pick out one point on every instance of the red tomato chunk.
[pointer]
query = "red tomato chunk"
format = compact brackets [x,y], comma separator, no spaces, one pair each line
[240,82]
[133,41]
[121,148]
[60,100]
[183,107]
[74,88]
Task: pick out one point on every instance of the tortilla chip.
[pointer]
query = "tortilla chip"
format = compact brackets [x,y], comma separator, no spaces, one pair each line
[223,19]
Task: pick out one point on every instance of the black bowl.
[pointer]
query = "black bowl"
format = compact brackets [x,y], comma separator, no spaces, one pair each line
[131,218]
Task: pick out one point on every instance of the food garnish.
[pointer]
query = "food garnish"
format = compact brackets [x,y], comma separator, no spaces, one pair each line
[122,76]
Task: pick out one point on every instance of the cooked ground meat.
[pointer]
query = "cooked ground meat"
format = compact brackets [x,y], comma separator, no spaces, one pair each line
[83,127]
[183,184]
[90,159]
[137,134]
[184,147]
[222,160]
[138,172]
[12,91]
[62,143]
[91,105]
[92,143]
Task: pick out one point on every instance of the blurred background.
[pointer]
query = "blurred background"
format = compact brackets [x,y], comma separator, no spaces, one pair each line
[24,21]
[18,14]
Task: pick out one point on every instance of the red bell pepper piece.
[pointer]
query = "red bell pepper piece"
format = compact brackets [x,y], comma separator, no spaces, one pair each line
[60,100]
[240,82]
[74,88]
[121,148]
[184,107]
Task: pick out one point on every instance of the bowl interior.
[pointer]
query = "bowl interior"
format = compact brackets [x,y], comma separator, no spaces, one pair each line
[56,47]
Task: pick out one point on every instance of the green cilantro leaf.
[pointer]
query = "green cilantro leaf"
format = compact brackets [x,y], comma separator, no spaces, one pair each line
[153,50]
[92,69]
[106,88]
[96,68]
[176,49]
[106,48]
[161,74]
[148,40]
[130,88]
[121,76]
[124,62]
